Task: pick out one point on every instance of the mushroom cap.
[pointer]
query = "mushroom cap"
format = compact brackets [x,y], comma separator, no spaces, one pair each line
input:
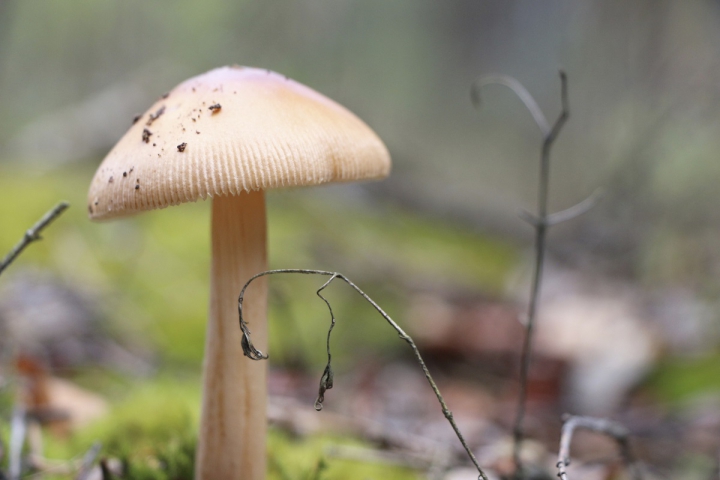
[230,130]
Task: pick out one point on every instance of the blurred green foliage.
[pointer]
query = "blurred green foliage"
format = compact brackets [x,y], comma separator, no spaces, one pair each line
[307,459]
[676,379]
[152,431]
[151,271]
[150,276]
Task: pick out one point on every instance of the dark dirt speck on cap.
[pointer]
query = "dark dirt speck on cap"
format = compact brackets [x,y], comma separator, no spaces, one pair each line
[181,147]
[155,116]
[146,135]
[215,108]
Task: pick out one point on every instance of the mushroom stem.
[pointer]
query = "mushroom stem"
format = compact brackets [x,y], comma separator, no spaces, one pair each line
[233,419]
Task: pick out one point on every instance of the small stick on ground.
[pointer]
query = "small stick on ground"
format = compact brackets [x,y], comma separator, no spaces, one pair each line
[612,429]
[88,462]
[326,381]
[540,222]
[33,234]
[18,431]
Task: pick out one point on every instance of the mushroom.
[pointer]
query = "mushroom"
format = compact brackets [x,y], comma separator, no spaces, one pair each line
[229,134]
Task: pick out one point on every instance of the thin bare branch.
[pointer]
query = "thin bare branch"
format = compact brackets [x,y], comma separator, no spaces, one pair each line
[576,210]
[252,353]
[612,429]
[563,215]
[529,217]
[540,221]
[519,90]
[88,462]
[105,469]
[541,227]
[33,234]
[18,432]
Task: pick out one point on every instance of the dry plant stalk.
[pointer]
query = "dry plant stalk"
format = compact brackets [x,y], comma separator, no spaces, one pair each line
[612,429]
[326,380]
[33,234]
[18,424]
[540,222]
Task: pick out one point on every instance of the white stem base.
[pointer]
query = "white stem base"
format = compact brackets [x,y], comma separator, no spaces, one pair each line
[233,421]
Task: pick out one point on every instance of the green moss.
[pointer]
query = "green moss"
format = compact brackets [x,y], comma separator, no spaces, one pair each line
[151,272]
[151,429]
[679,379]
[153,269]
[291,458]
[388,240]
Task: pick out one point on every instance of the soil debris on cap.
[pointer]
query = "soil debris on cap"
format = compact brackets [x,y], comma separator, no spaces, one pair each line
[137,187]
[155,116]
[215,108]
[124,174]
[165,95]
[136,118]
[146,135]
[181,147]
[111,179]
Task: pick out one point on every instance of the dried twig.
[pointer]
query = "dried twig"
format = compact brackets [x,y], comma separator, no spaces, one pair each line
[519,90]
[612,429]
[105,469]
[541,222]
[18,431]
[88,462]
[33,234]
[326,381]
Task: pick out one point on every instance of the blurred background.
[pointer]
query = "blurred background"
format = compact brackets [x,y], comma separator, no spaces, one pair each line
[115,312]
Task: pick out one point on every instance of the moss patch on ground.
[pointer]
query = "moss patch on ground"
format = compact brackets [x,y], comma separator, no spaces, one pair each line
[149,275]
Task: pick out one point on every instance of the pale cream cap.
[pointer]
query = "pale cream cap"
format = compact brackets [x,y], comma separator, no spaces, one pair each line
[230,130]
